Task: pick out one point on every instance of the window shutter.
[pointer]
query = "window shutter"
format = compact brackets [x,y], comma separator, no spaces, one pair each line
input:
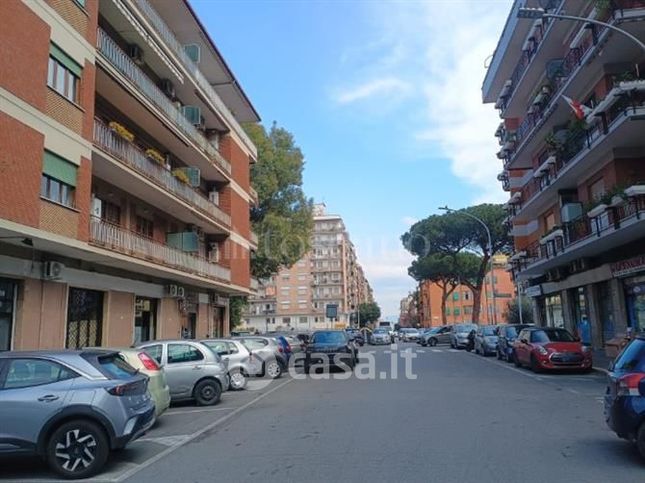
[59,168]
[69,63]
[193,52]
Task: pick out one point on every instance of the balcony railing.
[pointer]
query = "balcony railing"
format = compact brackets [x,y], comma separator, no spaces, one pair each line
[124,64]
[114,237]
[171,41]
[134,157]
[583,228]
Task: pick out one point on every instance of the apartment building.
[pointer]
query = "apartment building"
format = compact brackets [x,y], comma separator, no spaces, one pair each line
[125,192]
[409,311]
[497,292]
[329,275]
[571,98]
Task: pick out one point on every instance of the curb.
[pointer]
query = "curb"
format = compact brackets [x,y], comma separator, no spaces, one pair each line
[600,369]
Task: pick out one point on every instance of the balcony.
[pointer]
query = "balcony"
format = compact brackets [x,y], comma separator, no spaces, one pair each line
[116,238]
[166,34]
[135,158]
[585,236]
[120,61]
[619,127]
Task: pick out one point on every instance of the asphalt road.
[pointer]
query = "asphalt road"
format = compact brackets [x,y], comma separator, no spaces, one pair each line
[464,418]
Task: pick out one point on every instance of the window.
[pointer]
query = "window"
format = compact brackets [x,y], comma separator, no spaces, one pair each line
[58,181]
[219,347]
[183,353]
[110,212]
[232,348]
[34,372]
[468,310]
[455,296]
[286,320]
[303,320]
[466,295]
[448,312]
[84,318]
[63,74]
[254,344]
[549,221]
[597,189]
[154,351]
[144,227]
[456,311]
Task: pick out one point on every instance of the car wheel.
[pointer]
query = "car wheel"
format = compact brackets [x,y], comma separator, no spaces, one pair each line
[273,369]
[77,449]
[516,361]
[433,342]
[207,392]
[535,365]
[498,354]
[237,380]
[640,440]
[352,363]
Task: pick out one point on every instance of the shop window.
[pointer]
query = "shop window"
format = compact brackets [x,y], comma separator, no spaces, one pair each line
[84,318]
[63,74]
[7,309]
[145,319]
[553,311]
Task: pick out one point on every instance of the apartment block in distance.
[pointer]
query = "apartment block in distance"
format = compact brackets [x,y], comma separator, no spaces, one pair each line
[297,297]
[497,292]
[124,195]
[571,142]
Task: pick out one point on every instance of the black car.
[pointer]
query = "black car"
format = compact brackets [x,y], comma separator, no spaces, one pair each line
[506,335]
[329,348]
[356,336]
[625,394]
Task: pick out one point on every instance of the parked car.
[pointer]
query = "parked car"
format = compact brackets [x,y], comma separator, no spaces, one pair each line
[379,337]
[625,394]
[297,345]
[329,348]
[283,346]
[459,335]
[437,335]
[409,334]
[157,384]
[506,335]
[543,348]
[268,353]
[193,371]
[237,359]
[423,332]
[356,336]
[486,340]
[72,407]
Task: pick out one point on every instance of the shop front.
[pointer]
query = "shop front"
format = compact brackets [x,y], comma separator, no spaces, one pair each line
[7,312]
[145,319]
[632,273]
[553,312]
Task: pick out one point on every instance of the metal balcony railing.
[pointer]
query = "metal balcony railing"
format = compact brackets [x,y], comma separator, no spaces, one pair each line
[171,41]
[114,237]
[124,64]
[134,157]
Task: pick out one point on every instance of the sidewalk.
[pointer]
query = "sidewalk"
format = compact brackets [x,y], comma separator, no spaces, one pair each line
[601,361]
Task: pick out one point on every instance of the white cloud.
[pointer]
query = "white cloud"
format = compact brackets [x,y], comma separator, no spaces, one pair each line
[375,87]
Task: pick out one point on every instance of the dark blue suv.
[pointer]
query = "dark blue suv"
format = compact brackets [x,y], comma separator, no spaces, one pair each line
[625,395]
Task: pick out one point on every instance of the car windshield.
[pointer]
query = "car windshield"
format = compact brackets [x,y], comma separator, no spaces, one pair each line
[465,328]
[328,338]
[380,331]
[487,331]
[551,335]
[510,332]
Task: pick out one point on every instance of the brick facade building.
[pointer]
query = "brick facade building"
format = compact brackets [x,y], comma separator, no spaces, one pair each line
[125,192]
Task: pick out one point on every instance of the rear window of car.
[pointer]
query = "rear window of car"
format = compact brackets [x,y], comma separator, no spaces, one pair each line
[511,332]
[632,358]
[115,367]
[328,338]
[488,330]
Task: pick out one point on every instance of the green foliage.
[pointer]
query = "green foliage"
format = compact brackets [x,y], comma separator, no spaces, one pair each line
[369,312]
[236,306]
[283,217]
[512,312]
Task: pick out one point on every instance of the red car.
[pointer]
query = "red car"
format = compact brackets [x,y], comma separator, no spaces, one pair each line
[544,348]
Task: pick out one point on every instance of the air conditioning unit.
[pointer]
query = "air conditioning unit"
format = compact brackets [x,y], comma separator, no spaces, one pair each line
[168,88]
[193,114]
[53,270]
[570,212]
[135,53]
[193,51]
[213,197]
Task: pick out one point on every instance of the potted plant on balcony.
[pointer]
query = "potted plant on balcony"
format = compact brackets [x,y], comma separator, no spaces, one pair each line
[121,130]
[181,176]
[156,156]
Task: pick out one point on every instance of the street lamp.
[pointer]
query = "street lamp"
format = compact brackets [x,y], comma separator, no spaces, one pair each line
[489,249]
[536,13]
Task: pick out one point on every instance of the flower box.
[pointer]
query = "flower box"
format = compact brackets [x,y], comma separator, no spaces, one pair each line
[638,84]
[181,176]
[156,156]
[121,131]
[636,190]
[617,201]
[552,236]
[597,211]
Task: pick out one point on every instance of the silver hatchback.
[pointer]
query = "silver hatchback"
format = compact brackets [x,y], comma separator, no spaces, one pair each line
[193,371]
[237,359]
[71,407]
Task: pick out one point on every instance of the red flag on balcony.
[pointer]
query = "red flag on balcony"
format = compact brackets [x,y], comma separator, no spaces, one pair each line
[580,110]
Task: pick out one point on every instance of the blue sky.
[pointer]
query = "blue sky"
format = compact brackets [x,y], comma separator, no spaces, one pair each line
[384,100]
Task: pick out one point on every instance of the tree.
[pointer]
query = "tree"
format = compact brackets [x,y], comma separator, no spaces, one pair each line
[455,233]
[236,306]
[368,312]
[283,217]
[512,312]
[447,272]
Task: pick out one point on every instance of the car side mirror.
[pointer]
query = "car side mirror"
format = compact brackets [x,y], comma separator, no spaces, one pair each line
[524,341]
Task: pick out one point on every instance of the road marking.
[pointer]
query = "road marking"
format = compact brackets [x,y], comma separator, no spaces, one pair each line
[166,440]
[437,350]
[175,412]
[454,350]
[191,437]
[421,351]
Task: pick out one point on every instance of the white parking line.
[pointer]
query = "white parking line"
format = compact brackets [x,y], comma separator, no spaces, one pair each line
[421,351]
[179,411]
[196,434]
[436,350]
[454,350]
